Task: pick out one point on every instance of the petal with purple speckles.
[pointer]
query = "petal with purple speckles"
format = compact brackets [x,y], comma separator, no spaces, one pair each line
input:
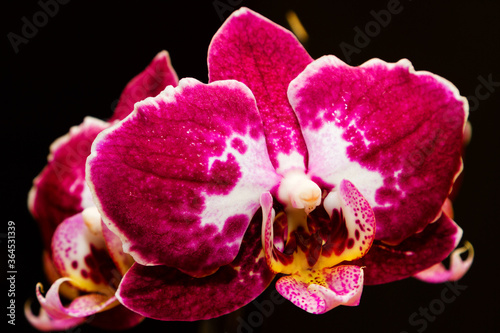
[318,291]
[394,132]
[352,225]
[165,293]
[266,57]
[179,179]
[385,263]
[60,190]
[81,254]
[149,83]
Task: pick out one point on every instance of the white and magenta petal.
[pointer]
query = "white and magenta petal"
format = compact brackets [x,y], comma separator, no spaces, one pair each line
[180,178]
[266,57]
[81,255]
[318,291]
[149,83]
[394,132]
[385,263]
[165,293]
[60,190]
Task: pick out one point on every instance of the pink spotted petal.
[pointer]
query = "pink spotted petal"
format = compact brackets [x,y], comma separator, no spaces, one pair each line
[352,229]
[394,132]
[81,255]
[165,293]
[59,191]
[266,57]
[123,261]
[179,179]
[149,83]
[341,285]
[458,267]
[275,259]
[80,307]
[385,263]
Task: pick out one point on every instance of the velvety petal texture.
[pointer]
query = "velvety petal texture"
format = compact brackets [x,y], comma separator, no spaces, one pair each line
[60,190]
[149,83]
[385,263]
[167,294]
[180,179]
[394,132]
[266,57]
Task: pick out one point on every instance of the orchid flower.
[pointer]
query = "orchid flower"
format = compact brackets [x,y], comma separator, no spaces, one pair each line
[334,176]
[77,249]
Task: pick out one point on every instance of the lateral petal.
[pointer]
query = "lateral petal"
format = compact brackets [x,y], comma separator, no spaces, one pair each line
[164,293]
[60,191]
[179,180]
[385,263]
[149,83]
[394,132]
[266,57]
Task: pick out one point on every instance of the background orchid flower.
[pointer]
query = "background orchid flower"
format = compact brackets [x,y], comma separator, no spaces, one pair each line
[325,150]
[60,194]
[91,259]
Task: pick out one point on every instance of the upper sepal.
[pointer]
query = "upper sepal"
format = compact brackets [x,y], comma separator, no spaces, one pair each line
[265,57]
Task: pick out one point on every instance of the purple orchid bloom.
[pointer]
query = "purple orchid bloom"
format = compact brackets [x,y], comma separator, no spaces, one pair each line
[78,249]
[333,175]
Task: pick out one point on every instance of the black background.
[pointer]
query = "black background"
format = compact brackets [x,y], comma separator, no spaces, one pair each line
[80,60]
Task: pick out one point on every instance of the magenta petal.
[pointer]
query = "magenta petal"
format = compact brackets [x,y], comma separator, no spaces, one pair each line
[60,190]
[266,57]
[165,293]
[148,83]
[458,267]
[385,263]
[179,179]
[394,132]
[117,318]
